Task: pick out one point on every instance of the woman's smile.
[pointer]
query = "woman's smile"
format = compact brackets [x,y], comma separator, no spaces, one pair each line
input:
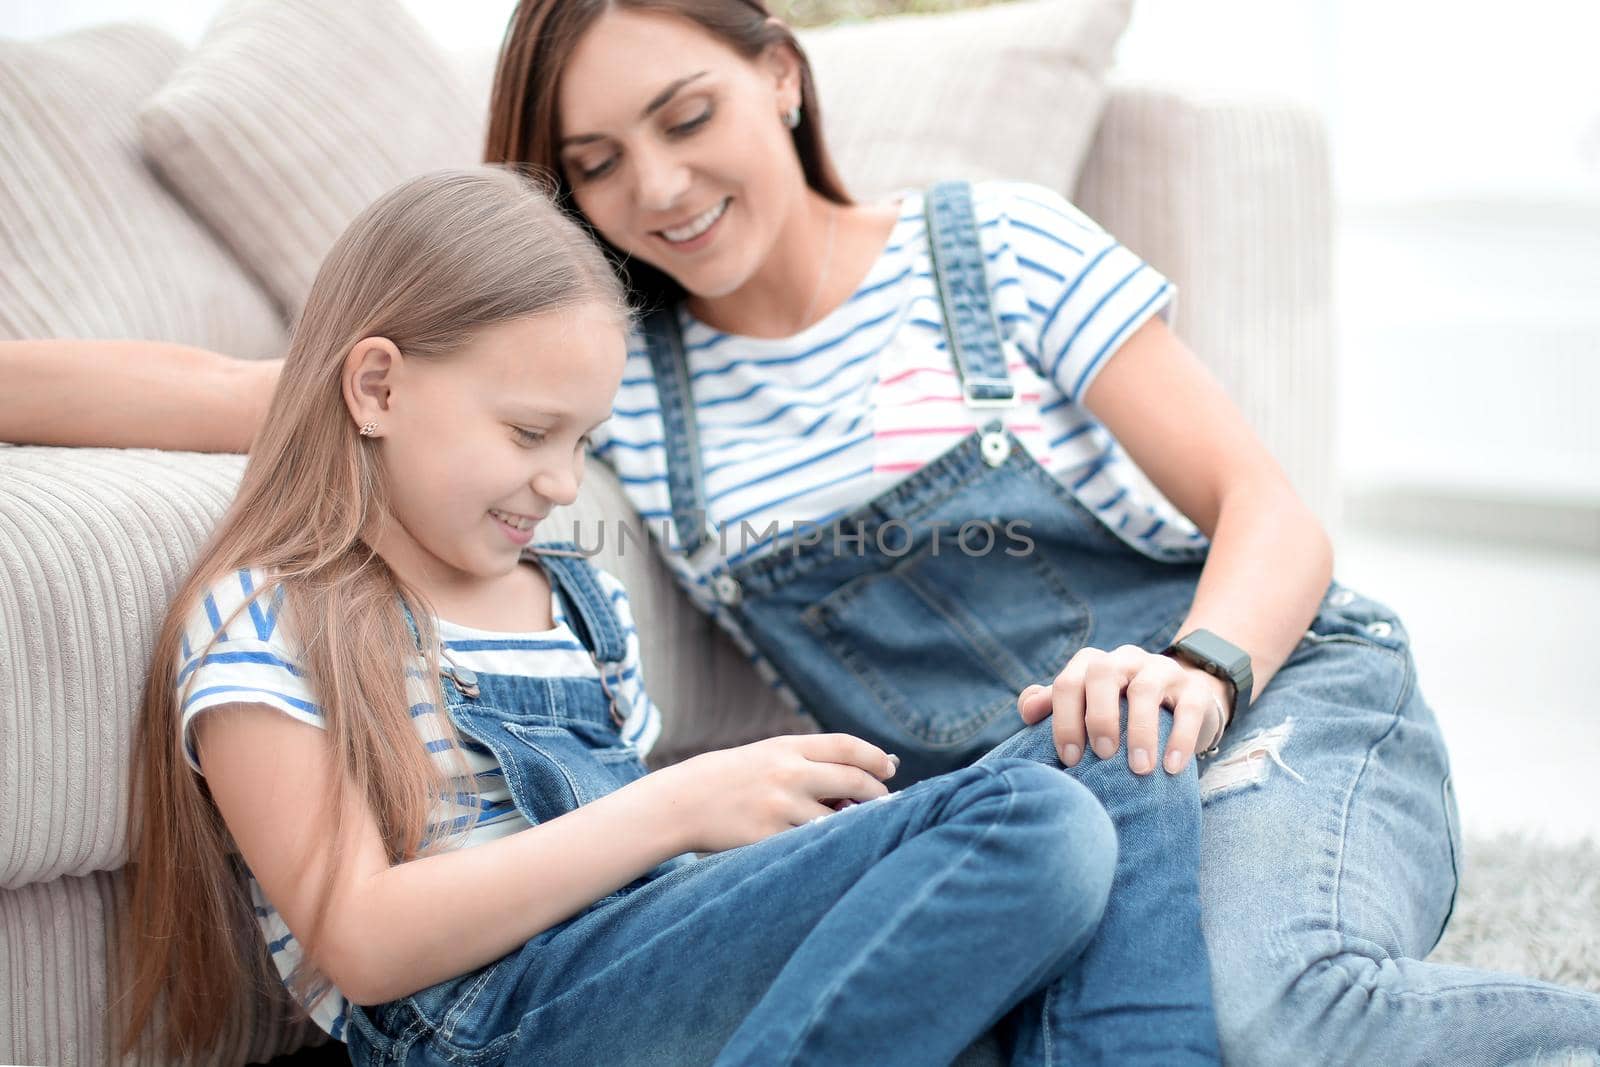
[698,231]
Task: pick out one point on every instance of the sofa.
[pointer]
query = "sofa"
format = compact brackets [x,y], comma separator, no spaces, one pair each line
[148,190]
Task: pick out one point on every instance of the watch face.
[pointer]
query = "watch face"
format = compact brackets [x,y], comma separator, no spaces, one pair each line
[1223,657]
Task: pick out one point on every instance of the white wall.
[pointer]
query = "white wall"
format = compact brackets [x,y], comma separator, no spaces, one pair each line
[1424,97]
[1466,141]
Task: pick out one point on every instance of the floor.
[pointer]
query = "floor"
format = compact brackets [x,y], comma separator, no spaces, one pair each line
[1506,648]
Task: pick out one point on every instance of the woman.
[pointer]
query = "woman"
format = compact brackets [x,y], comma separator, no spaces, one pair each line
[687,134]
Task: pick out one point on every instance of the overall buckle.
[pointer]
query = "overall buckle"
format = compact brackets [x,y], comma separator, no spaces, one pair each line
[972,400]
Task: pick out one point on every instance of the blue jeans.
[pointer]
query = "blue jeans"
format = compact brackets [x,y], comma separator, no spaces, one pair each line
[1329,868]
[892,932]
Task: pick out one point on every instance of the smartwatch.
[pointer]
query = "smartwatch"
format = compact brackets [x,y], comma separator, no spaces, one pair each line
[1225,660]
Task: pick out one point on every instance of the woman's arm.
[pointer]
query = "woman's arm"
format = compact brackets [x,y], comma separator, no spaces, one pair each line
[1266,572]
[131,394]
[392,930]
[1270,560]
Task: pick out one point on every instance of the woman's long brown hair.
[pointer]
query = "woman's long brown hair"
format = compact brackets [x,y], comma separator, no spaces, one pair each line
[524,114]
[426,266]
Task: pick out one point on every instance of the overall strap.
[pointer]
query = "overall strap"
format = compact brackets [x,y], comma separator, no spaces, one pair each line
[970,327]
[411,624]
[464,681]
[588,605]
[686,486]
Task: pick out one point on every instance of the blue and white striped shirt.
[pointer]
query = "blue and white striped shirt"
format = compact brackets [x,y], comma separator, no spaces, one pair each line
[257,660]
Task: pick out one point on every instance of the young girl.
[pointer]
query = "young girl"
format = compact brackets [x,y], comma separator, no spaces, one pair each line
[421,735]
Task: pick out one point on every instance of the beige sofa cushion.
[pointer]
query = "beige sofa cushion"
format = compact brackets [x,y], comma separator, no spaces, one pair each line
[1010,91]
[93,543]
[91,245]
[293,115]
[60,947]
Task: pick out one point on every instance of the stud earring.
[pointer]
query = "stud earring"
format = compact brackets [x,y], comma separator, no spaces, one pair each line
[791,118]
[368,429]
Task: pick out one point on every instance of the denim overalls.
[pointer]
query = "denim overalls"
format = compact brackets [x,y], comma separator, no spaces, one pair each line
[918,632]
[765,934]
[918,625]
[558,741]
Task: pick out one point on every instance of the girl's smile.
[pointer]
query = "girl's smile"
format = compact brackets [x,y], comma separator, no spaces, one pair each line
[519,528]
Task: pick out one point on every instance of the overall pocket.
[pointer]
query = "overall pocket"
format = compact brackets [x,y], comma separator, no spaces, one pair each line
[944,641]
[569,766]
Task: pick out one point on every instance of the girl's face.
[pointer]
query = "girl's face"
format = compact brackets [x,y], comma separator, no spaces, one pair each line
[675,149]
[480,445]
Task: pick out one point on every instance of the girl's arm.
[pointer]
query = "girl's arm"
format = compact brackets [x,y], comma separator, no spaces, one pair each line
[131,394]
[392,930]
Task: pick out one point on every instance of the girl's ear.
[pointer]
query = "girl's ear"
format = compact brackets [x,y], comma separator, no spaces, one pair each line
[783,64]
[370,373]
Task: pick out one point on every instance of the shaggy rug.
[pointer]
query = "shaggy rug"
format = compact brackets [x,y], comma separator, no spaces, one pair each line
[1527,907]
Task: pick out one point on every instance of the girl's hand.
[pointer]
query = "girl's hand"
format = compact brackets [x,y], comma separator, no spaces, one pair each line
[1086,696]
[736,796]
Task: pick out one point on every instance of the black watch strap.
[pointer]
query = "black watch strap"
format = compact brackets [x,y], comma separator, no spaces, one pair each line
[1221,658]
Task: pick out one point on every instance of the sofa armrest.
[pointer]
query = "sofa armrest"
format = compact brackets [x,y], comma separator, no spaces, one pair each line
[93,544]
[1232,199]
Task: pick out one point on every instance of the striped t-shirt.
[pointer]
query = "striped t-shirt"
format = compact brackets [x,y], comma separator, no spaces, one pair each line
[804,429]
[256,660]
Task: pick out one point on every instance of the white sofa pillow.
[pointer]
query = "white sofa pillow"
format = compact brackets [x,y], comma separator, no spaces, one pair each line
[1007,91]
[293,115]
[91,245]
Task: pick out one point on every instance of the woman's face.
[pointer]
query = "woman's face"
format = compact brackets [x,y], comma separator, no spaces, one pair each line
[675,147]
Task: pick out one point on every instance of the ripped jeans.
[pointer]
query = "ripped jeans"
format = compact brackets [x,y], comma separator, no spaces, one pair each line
[1329,867]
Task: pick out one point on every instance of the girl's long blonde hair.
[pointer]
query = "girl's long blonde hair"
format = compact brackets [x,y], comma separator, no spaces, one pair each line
[426,266]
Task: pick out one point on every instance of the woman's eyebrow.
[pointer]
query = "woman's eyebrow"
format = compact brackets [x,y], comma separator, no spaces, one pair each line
[657,102]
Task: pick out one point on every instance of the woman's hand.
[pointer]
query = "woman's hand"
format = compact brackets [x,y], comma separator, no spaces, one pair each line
[735,796]
[1086,697]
